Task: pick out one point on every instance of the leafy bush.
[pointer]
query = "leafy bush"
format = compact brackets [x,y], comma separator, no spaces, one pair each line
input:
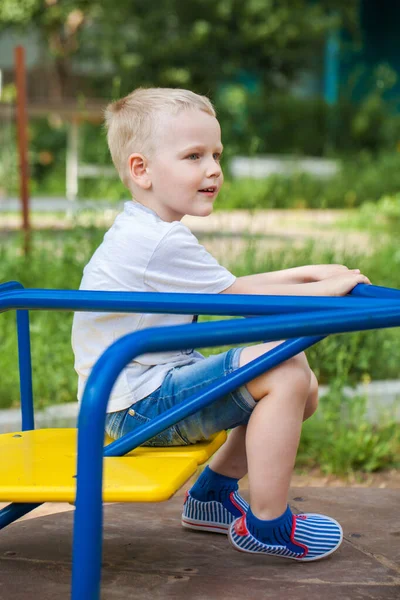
[360,179]
[56,261]
[382,216]
[339,439]
[286,124]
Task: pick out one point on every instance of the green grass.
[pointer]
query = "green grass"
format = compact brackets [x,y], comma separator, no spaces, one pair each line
[341,441]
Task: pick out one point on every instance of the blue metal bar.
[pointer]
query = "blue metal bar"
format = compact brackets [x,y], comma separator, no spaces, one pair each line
[14,511]
[25,370]
[10,285]
[24,356]
[212,304]
[375,291]
[88,516]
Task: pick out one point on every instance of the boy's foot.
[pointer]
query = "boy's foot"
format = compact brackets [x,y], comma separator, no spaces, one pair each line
[212,515]
[312,537]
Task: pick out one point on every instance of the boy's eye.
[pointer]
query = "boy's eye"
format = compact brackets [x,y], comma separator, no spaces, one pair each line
[196,156]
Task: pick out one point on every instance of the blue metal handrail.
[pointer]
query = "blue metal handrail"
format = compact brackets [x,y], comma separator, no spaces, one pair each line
[24,358]
[204,304]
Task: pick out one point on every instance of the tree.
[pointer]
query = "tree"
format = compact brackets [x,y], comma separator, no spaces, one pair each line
[196,43]
[59,23]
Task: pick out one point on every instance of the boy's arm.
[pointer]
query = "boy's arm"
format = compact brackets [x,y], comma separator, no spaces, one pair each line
[337,285]
[306,274]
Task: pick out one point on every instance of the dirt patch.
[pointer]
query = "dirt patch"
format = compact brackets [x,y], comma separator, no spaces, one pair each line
[314,478]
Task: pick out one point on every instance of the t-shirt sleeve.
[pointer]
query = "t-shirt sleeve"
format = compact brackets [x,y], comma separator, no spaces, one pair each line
[181,264]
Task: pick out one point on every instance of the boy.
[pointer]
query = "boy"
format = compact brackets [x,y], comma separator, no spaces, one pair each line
[166,146]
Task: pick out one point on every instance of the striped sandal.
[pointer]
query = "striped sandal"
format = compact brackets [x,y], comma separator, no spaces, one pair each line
[212,516]
[312,537]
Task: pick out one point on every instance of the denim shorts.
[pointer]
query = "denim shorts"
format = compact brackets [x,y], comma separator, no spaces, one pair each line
[227,412]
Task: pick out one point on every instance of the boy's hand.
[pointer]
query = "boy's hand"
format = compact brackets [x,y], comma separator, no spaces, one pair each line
[322,272]
[342,284]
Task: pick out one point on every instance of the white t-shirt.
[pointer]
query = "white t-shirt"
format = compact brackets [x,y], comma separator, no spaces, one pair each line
[140,253]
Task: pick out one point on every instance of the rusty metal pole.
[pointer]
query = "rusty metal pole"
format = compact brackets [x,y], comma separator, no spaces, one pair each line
[22,133]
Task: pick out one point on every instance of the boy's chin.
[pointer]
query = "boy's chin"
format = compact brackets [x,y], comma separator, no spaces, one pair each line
[203,211]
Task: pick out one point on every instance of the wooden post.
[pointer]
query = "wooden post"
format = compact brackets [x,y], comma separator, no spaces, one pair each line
[22,132]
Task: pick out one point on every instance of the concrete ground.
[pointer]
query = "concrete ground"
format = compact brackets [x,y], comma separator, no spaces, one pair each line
[148,556]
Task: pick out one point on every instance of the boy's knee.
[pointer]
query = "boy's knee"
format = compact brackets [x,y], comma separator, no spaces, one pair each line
[297,372]
[312,400]
[294,373]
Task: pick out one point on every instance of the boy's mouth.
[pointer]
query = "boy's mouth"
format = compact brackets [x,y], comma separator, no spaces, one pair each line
[210,191]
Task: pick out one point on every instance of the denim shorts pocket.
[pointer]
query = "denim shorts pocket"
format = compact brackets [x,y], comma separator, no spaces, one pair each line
[114,424]
[169,437]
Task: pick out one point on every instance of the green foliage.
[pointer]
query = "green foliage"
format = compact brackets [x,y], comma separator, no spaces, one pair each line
[268,40]
[373,123]
[56,261]
[381,216]
[361,179]
[20,13]
[255,122]
[47,153]
[196,44]
[8,164]
[339,439]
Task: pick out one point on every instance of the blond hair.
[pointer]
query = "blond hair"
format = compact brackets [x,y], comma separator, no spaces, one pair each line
[130,121]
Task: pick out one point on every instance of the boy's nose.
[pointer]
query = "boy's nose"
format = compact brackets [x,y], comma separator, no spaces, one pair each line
[213,169]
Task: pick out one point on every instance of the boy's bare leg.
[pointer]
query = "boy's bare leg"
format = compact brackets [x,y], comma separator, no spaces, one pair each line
[231,458]
[272,439]
[286,395]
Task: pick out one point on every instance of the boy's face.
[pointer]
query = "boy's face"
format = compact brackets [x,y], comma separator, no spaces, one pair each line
[185,169]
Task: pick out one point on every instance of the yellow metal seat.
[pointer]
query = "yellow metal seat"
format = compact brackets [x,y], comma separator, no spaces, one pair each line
[40,466]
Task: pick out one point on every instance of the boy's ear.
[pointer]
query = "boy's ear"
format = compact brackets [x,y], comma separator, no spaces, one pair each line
[138,171]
